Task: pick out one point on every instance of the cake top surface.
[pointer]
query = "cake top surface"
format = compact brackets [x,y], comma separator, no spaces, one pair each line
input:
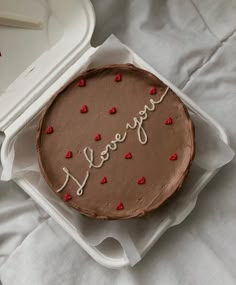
[115,143]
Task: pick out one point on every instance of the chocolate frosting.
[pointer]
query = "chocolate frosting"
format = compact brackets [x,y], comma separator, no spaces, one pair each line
[73,131]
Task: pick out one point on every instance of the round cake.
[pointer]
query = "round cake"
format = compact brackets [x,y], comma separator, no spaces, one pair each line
[116,143]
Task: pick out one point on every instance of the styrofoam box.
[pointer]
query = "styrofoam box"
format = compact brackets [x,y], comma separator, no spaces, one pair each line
[53,66]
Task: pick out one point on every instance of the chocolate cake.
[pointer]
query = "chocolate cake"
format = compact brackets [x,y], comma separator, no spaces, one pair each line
[116,143]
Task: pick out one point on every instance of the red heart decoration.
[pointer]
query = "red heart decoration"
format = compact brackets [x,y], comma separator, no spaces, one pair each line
[153,91]
[68,154]
[84,109]
[173,156]
[103,180]
[82,83]
[141,180]
[168,121]
[49,130]
[128,155]
[97,137]
[112,110]
[120,206]
[118,77]
[67,197]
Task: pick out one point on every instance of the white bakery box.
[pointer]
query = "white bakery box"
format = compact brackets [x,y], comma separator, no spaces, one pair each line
[36,61]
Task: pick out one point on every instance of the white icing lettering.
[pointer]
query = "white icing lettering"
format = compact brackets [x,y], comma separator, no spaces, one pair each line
[90,158]
[142,136]
[137,123]
[105,155]
[68,176]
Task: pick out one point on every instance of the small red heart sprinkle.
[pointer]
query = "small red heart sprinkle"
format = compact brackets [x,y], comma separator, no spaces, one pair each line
[84,109]
[118,77]
[82,83]
[168,121]
[120,206]
[173,156]
[112,110]
[128,155]
[68,154]
[103,180]
[67,197]
[97,137]
[49,130]
[141,180]
[153,91]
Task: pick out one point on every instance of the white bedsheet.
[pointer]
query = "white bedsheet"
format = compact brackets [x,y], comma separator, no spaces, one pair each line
[192,43]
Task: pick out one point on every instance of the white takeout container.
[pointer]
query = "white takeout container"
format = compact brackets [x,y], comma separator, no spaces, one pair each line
[24,99]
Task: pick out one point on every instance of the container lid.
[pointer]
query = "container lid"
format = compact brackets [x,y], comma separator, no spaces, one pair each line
[33,57]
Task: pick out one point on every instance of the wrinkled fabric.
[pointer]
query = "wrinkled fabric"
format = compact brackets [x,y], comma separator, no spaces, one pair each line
[193,44]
